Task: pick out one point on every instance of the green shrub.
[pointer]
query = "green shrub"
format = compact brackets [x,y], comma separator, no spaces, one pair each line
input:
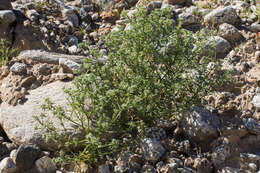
[6,52]
[155,69]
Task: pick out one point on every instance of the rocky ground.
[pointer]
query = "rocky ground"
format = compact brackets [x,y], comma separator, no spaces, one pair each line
[223,139]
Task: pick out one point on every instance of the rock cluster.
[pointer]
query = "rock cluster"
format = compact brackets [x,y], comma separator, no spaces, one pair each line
[205,140]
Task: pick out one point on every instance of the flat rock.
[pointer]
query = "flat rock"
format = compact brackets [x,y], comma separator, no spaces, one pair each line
[18,121]
[51,58]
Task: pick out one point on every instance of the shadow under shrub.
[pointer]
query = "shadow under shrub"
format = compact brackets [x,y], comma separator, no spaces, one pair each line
[155,69]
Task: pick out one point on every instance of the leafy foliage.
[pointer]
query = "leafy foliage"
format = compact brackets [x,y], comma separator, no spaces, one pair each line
[154,69]
[6,52]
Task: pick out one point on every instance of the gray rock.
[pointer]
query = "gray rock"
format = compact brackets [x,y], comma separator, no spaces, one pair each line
[73,41]
[220,154]
[7,16]
[222,15]
[26,155]
[241,6]
[188,18]
[156,133]
[230,33]
[33,15]
[18,68]
[200,125]
[7,166]
[252,125]
[18,122]
[48,57]
[153,150]
[69,65]
[217,46]
[85,17]
[105,4]
[44,69]
[45,165]
[71,16]
[5,5]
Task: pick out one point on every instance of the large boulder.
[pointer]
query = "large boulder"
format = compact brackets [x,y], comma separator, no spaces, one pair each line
[5,5]
[18,121]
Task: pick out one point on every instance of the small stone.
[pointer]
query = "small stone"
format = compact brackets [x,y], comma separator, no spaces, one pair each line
[26,156]
[45,165]
[71,16]
[27,82]
[153,150]
[44,69]
[61,76]
[7,165]
[73,49]
[18,68]
[68,65]
[188,19]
